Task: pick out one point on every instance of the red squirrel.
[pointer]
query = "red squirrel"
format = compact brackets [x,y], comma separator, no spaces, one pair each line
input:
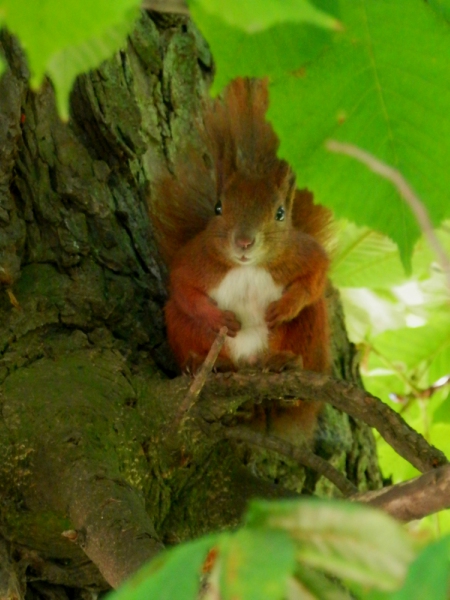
[244,247]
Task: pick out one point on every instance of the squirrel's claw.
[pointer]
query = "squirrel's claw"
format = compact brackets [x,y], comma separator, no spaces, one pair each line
[273,315]
[230,321]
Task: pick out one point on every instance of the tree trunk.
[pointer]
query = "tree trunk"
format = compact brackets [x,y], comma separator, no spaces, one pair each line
[94,478]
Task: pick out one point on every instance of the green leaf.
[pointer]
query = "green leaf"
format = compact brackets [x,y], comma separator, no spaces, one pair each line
[313,585]
[66,38]
[256,564]
[424,256]
[428,576]
[343,539]
[374,89]
[255,15]
[392,465]
[173,574]
[412,346]
[364,258]
[442,414]
[440,437]
[441,6]
[272,52]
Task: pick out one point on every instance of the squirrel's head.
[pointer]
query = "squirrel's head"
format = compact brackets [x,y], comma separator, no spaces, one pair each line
[252,219]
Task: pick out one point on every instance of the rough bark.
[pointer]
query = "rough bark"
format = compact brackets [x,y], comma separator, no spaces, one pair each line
[91,469]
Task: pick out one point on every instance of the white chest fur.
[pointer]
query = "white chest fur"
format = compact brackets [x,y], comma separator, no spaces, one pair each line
[247,291]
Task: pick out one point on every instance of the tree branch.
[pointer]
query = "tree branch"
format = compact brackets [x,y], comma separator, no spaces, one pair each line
[405,191]
[223,394]
[413,499]
[303,456]
[112,527]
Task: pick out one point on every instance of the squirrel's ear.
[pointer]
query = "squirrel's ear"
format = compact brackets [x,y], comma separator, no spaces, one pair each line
[287,184]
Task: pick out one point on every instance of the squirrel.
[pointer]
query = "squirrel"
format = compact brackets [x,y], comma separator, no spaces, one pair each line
[244,247]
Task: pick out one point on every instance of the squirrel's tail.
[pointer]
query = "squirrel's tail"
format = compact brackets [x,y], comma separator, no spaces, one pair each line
[182,203]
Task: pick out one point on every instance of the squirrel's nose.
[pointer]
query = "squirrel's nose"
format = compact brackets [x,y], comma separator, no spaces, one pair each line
[244,242]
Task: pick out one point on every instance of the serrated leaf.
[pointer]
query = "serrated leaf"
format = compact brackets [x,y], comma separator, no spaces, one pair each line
[373,89]
[66,38]
[255,15]
[412,346]
[343,539]
[428,576]
[364,258]
[173,574]
[256,564]
[272,52]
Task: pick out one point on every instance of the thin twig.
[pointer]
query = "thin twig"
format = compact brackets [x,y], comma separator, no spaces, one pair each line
[301,455]
[202,375]
[166,6]
[413,499]
[405,191]
[13,299]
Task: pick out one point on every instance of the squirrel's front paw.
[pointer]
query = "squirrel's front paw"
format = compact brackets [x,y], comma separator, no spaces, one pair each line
[228,319]
[275,314]
[282,310]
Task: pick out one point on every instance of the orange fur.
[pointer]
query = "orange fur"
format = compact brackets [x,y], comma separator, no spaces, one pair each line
[281,258]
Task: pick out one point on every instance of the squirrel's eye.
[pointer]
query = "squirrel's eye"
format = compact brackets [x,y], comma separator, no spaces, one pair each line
[218,208]
[280,214]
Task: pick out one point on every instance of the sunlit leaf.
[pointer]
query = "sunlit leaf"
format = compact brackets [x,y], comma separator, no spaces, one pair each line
[412,346]
[393,466]
[342,539]
[440,436]
[255,15]
[255,564]
[364,258]
[368,314]
[67,38]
